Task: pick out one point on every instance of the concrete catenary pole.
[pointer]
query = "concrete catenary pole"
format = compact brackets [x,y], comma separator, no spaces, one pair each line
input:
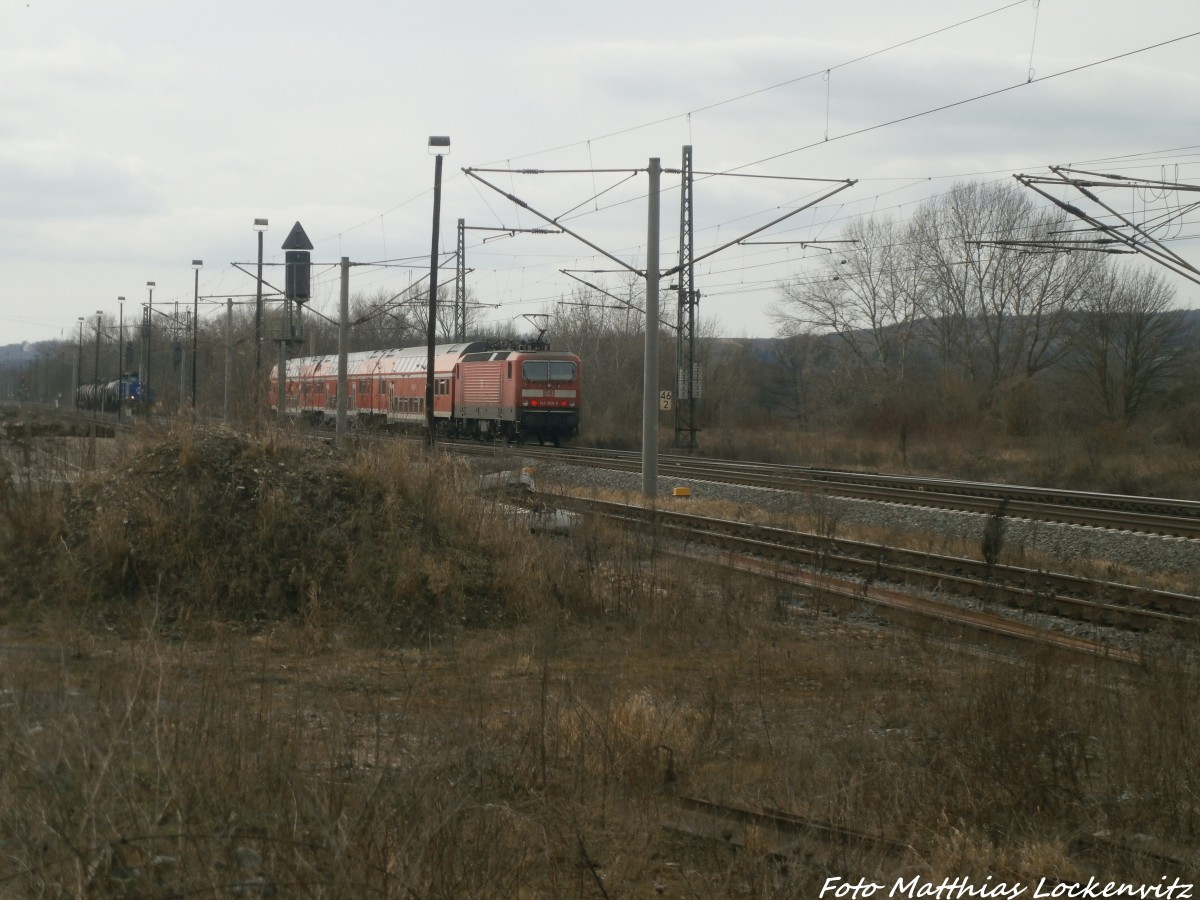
[181,347]
[260,225]
[147,333]
[77,373]
[196,265]
[650,380]
[281,381]
[99,395]
[228,356]
[343,349]
[120,356]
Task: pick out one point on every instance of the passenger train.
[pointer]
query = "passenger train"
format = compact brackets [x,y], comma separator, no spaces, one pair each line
[482,389]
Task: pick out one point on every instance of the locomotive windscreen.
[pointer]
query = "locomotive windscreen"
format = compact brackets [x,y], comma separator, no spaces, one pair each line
[552,370]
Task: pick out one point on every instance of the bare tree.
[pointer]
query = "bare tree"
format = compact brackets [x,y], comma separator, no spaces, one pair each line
[789,386]
[606,330]
[1127,344]
[383,319]
[995,310]
[866,296]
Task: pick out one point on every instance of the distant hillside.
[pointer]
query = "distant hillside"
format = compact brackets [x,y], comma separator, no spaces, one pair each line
[766,349]
[13,355]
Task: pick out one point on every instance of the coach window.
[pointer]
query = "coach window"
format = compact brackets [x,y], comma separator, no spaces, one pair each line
[510,371]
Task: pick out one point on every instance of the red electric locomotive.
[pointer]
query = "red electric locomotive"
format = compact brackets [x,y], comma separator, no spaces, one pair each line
[481,389]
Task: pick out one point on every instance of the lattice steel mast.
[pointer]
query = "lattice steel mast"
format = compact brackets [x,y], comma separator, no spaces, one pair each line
[460,285]
[685,342]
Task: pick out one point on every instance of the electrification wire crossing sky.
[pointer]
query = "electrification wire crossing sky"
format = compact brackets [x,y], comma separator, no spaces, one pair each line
[119,163]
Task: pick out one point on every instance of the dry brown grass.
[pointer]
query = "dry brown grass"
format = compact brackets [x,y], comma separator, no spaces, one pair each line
[1113,459]
[493,765]
[532,737]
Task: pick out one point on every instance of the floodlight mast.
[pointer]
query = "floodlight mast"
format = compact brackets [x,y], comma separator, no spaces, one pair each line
[260,225]
[439,146]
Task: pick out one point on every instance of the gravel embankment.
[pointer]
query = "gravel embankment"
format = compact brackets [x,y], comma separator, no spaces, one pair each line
[1145,552]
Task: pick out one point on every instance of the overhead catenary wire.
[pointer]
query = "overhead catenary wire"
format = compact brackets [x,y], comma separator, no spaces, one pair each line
[700,109]
[587,142]
[1133,158]
[1037,11]
[975,98]
[943,107]
[737,170]
[772,87]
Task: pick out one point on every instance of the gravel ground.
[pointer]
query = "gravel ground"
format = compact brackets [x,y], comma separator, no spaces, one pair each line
[1145,552]
[1151,553]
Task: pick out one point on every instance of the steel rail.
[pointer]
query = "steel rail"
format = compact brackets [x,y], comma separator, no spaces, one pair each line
[1154,515]
[813,560]
[776,833]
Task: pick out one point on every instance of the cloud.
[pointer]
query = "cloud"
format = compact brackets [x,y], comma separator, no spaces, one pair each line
[60,179]
[138,134]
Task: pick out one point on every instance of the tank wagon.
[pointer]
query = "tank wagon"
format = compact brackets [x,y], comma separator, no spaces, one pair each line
[103,395]
[481,390]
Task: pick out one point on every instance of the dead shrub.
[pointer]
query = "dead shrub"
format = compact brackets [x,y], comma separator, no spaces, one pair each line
[211,524]
[639,738]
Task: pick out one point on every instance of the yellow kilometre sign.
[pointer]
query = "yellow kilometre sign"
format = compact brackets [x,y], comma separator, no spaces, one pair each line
[665,400]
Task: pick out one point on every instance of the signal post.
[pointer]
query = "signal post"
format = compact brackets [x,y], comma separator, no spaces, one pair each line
[296,288]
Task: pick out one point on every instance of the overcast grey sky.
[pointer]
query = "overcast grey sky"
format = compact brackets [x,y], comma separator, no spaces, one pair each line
[136,135]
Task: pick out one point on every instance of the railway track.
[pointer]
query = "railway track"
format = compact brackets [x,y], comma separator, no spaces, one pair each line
[1151,515]
[779,834]
[788,837]
[853,573]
